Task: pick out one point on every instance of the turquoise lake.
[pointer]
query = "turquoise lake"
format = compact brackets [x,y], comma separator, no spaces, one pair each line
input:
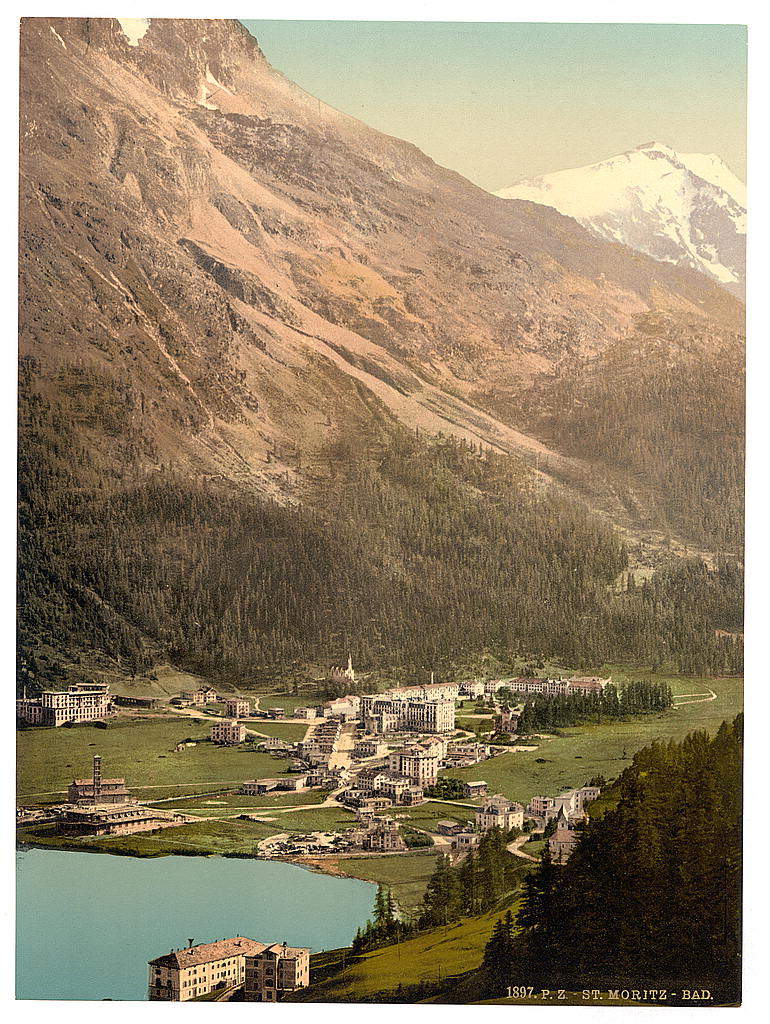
[87,923]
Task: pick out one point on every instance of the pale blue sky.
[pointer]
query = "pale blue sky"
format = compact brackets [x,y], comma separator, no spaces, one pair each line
[503,101]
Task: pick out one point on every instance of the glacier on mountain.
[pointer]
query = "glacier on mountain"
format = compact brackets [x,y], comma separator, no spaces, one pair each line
[685,208]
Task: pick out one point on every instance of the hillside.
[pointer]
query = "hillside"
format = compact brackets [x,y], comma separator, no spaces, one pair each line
[238,304]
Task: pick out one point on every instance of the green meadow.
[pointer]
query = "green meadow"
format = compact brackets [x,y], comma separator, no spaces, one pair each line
[139,749]
[572,758]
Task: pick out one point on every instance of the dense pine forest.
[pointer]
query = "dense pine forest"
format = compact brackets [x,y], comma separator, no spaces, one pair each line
[669,426]
[651,896]
[544,712]
[414,554]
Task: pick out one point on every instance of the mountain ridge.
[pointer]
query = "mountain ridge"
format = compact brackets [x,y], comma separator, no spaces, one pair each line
[225,284]
[686,208]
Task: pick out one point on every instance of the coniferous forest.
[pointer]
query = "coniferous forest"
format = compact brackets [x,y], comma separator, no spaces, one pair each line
[653,889]
[413,554]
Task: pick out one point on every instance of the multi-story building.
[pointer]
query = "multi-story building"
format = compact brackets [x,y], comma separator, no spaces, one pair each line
[346,708]
[237,707]
[499,812]
[381,713]
[460,755]
[463,842]
[228,733]
[574,800]
[379,834]
[308,713]
[370,747]
[184,974]
[473,790]
[78,703]
[275,970]
[116,820]
[542,807]
[97,790]
[203,695]
[587,684]
[415,763]
[471,688]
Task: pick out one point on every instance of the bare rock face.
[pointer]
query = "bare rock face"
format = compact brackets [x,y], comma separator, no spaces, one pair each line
[244,263]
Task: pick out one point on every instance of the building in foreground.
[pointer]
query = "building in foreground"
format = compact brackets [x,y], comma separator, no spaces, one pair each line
[275,970]
[228,734]
[379,834]
[184,974]
[78,703]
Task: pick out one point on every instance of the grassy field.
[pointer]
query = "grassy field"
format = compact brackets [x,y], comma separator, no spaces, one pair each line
[285,701]
[485,723]
[430,957]
[237,802]
[292,732]
[573,758]
[141,750]
[323,819]
[204,837]
[426,815]
[406,874]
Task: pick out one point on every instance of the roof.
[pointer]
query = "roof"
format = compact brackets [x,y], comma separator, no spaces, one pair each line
[104,782]
[279,949]
[450,823]
[208,952]
[479,783]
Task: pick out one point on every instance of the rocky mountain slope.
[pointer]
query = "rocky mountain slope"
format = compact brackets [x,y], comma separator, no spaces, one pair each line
[230,292]
[684,208]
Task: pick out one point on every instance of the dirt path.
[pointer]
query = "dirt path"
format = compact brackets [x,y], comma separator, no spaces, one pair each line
[703,698]
[516,848]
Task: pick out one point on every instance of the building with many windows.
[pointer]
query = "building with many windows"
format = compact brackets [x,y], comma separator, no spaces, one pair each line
[228,734]
[78,703]
[274,971]
[184,974]
[237,707]
[499,812]
[382,713]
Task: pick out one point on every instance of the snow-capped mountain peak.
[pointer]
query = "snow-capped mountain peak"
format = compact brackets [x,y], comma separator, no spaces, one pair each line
[686,208]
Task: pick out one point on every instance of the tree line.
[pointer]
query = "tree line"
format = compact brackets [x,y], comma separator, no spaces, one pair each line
[413,554]
[546,711]
[651,891]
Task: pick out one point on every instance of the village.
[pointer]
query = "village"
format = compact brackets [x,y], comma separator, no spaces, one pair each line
[373,757]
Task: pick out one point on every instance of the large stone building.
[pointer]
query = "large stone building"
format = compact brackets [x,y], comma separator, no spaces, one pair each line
[499,812]
[275,970]
[382,713]
[184,974]
[228,733]
[97,790]
[528,685]
[416,763]
[78,703]
[116,820]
